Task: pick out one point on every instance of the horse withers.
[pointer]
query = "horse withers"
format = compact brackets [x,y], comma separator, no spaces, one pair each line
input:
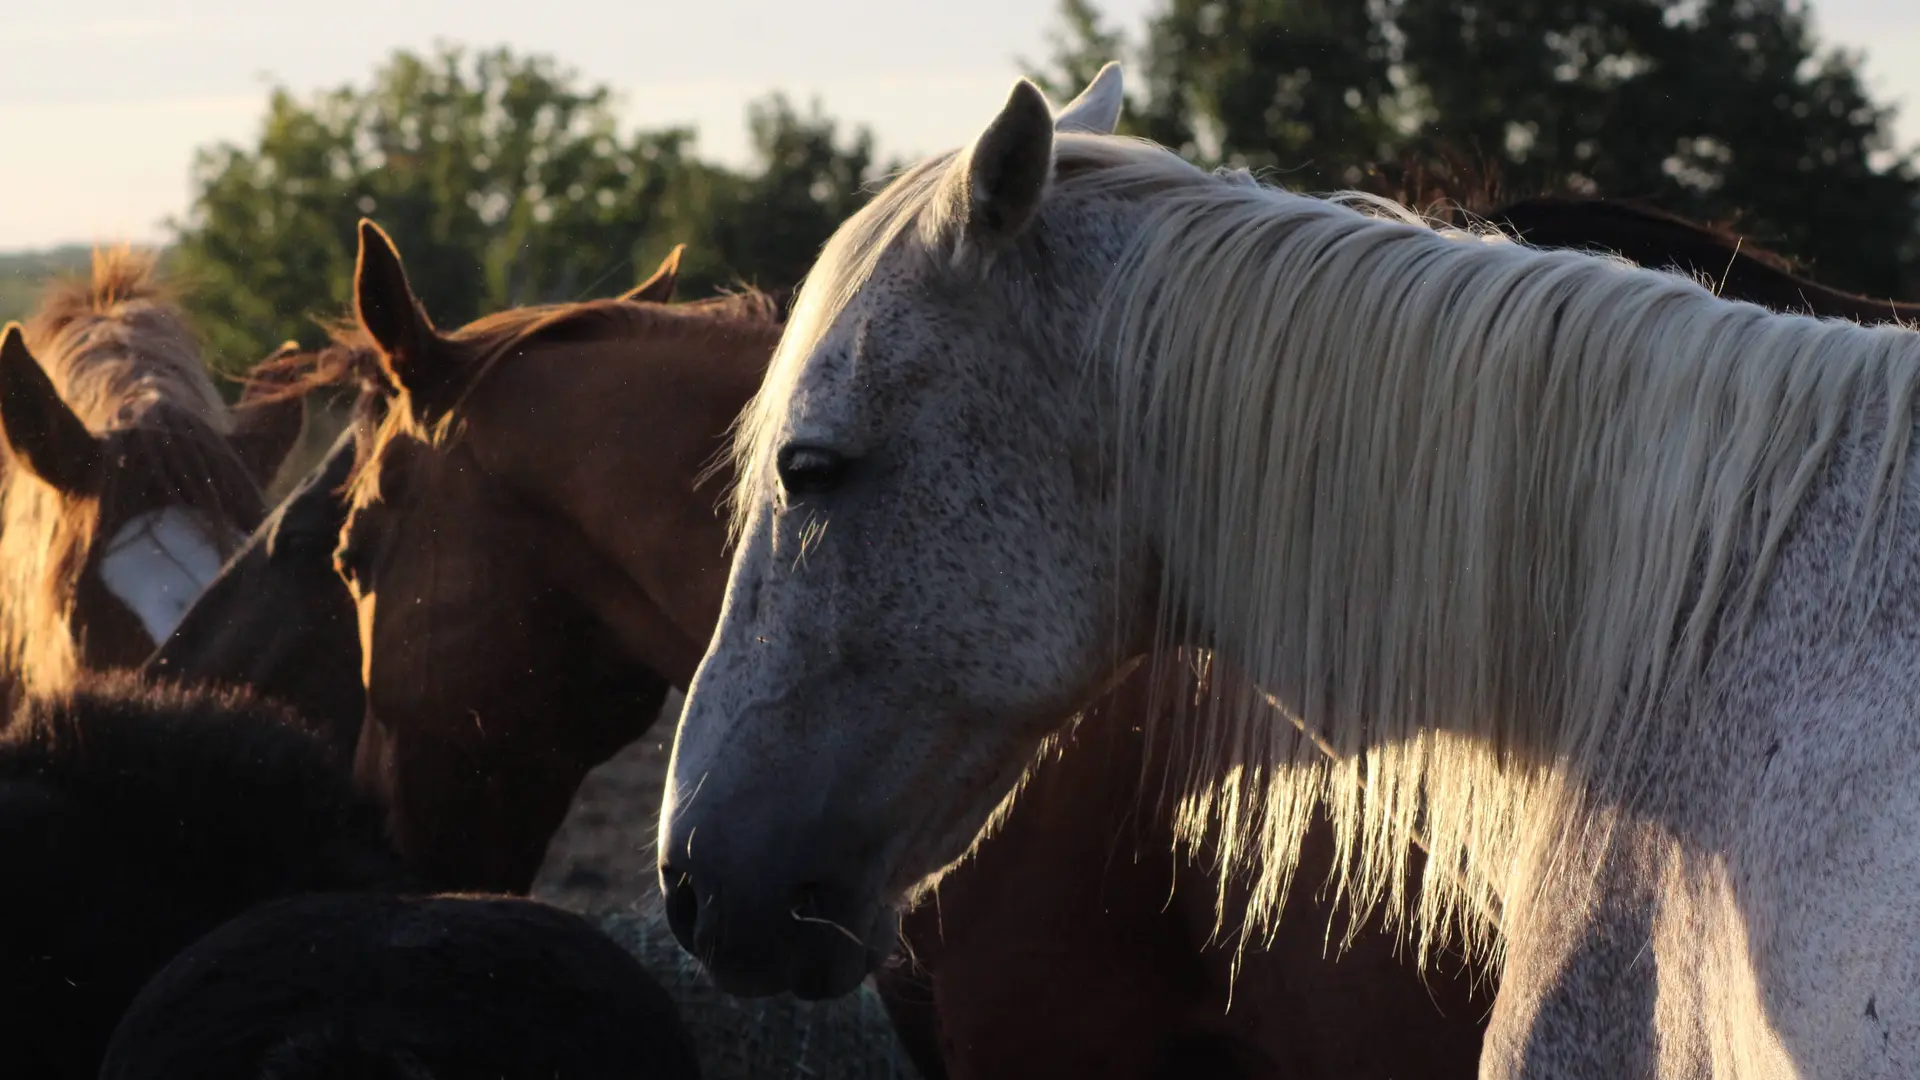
[382,987]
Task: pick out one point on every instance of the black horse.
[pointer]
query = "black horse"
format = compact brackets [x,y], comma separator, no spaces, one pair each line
[370,986]
[135,818]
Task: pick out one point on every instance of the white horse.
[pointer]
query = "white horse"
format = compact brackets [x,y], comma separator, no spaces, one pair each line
[1606,589]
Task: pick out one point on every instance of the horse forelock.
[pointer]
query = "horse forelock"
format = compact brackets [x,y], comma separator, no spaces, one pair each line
[1407,507]
[117,342]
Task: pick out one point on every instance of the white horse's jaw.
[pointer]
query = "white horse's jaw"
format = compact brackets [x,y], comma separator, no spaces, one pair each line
[157,564]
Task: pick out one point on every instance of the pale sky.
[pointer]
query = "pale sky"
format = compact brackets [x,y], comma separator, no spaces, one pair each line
[103,104]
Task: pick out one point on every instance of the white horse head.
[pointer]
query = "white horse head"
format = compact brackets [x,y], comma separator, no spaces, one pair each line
[899,443]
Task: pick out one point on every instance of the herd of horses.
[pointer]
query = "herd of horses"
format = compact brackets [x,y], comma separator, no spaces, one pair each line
[276,783]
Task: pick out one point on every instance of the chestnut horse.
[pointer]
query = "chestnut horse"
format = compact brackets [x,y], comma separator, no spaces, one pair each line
[499,628]
[128,479]
[1054,895]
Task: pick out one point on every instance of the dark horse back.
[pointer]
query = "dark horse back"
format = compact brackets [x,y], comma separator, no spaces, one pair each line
[452,988]
[135,818]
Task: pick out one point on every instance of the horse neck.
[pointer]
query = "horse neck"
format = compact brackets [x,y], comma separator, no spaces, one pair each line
[629,434]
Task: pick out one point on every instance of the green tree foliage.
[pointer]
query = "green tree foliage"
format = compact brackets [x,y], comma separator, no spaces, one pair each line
[766,227]
[1722,110]
[505,181]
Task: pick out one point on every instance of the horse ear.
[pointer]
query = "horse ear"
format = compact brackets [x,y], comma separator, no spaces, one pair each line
[264,431]
[1097,110]
[658,289]
[1008,167]
[40,429]
[409,347]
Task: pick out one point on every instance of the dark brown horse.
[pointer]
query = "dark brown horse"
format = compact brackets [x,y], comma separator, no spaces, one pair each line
[128,479]
[1115,943]
[134,819]
[1651,237]
[277,618]
[1053,910]
[378,987]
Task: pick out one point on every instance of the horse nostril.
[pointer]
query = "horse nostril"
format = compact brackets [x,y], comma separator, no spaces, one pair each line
[683,904]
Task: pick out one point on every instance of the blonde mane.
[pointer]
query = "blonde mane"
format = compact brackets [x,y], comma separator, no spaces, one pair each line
[121,353]
[116,343]
[1476,508]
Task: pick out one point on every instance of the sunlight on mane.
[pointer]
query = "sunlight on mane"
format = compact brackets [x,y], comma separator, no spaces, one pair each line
[1389,471]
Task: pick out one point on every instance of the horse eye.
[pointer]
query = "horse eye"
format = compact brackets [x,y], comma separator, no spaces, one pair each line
[810,470]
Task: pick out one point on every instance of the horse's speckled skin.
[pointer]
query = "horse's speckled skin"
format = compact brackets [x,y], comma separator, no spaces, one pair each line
[890,653]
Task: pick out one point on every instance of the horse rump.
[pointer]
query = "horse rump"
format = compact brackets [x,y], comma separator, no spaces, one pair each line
[135,818]
[458,987]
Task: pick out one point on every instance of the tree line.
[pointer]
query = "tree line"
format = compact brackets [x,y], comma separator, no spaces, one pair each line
[506,179]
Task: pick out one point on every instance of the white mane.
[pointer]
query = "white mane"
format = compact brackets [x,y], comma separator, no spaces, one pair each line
[1458,499]
[1455,497]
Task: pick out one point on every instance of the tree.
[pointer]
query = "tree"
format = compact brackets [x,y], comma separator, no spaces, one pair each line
[767,226]
[505,181]
[1717,109]
[1724,110]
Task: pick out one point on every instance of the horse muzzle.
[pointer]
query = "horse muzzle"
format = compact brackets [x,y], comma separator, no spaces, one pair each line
[770,923]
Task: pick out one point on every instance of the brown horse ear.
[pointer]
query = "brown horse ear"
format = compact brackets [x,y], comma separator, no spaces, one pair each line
[40,429]
[658,289]
[411,351]
[265,428]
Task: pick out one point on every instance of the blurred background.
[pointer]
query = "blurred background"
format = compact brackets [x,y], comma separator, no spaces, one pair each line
[556,149]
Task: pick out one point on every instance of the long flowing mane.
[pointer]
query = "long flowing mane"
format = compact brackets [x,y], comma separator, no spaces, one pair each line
[1477,508]
[351,359]
[125,359]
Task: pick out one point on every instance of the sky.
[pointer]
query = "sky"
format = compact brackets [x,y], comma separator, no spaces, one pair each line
[102,105]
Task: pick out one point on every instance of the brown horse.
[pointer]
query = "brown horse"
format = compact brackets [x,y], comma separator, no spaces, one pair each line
[1116,944]
[128,480]
[510,644]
